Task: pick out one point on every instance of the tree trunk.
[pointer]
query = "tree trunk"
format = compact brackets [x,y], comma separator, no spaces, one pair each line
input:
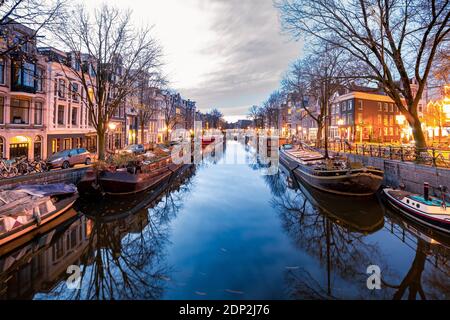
[101,147]
[142,133]
[319,134]
[418,134]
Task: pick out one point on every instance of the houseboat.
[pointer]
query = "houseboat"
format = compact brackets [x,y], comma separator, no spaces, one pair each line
[331,175]
[131,179]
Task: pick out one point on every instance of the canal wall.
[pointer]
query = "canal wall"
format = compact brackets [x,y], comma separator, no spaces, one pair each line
[410,174]
[72,175]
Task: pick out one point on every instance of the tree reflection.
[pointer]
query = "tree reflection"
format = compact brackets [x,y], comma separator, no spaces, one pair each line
[335,233]
[428,251]
[120,251]
[125,257]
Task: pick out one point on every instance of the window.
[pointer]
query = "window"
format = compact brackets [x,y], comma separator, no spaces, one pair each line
[38,113]
[39,77]
[2,71]
[55,146]
[67,144]
[349,104]
[391,106]
[61,115]
[391,120]
[344,106]
[74,116]
[61,89]
[2,147]
[360,118]
[20,111]
[380,106]
[391,131]
[386,107]
[380,119]
[23,75]
[360,105]
[74,87]
[386,121]
[2,110]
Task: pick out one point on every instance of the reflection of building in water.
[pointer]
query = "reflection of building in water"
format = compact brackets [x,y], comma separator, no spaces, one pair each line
[40,265]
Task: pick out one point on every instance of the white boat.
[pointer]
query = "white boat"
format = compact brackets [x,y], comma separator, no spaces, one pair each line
[427,210]
[25,209]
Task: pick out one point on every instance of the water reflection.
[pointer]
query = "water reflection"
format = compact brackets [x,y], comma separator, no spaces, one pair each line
[223,230]
[337,232]
[120,250]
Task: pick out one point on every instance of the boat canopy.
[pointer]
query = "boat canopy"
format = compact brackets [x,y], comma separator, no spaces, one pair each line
[47,190]
[435,202]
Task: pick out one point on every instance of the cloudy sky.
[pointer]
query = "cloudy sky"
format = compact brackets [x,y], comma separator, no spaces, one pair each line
[227,54]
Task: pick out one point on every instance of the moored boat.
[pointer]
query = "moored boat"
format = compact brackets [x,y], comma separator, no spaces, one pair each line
[131,179]
[331,175]
[363,215]
[28,208]
[425,209]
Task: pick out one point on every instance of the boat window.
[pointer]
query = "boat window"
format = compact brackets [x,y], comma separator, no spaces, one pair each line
[418,205]
[407,201]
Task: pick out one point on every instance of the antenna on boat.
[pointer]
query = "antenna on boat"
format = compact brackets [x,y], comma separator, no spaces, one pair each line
[426,191]
[443,190]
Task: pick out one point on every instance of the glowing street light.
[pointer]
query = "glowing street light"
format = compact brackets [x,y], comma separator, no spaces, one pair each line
[400,119]
[112,126]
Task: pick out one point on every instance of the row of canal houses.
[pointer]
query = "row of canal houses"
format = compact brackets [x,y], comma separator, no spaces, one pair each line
[42,109]
[356,114]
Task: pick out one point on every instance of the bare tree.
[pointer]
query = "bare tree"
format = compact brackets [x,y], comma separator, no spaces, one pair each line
[169,112]
[272,109]
[112,55]
[214,118]
[33,14]
[313,81]
[145,100]
[396,41]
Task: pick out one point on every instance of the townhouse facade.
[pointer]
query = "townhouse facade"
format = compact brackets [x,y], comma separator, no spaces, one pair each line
[43,106]
[23,107]
[357,114]
[68,125]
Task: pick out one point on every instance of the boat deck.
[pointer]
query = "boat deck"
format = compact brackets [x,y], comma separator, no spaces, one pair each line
[432,202]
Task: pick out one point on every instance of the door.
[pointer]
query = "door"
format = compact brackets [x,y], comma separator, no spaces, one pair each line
[18,150]
[37,150]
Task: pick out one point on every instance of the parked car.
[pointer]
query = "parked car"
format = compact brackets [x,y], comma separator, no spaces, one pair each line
[68,158]
[134,148]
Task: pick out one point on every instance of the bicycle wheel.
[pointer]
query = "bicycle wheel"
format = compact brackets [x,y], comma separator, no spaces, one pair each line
[9,173]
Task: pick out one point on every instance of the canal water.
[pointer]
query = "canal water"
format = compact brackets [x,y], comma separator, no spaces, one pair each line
[227,231]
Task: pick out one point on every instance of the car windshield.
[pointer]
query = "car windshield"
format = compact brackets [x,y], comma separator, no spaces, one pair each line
[130,147]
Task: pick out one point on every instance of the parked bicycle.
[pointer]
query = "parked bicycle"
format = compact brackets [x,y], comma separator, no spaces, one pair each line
[8,169]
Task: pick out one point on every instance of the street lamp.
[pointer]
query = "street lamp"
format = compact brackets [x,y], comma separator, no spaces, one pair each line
[112,127]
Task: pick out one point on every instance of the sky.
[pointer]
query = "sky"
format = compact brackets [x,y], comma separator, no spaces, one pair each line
[227,54]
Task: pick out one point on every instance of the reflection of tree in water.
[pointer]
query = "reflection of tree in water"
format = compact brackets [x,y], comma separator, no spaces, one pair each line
[125,257]
[346,252]
[420,281]
[338,249]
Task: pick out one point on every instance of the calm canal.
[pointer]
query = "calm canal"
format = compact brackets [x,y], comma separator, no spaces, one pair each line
[226,231]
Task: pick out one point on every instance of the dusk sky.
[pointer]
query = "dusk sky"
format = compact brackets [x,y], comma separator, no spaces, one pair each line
[227,54]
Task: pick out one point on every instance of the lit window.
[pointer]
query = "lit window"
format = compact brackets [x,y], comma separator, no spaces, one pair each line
[20,110]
